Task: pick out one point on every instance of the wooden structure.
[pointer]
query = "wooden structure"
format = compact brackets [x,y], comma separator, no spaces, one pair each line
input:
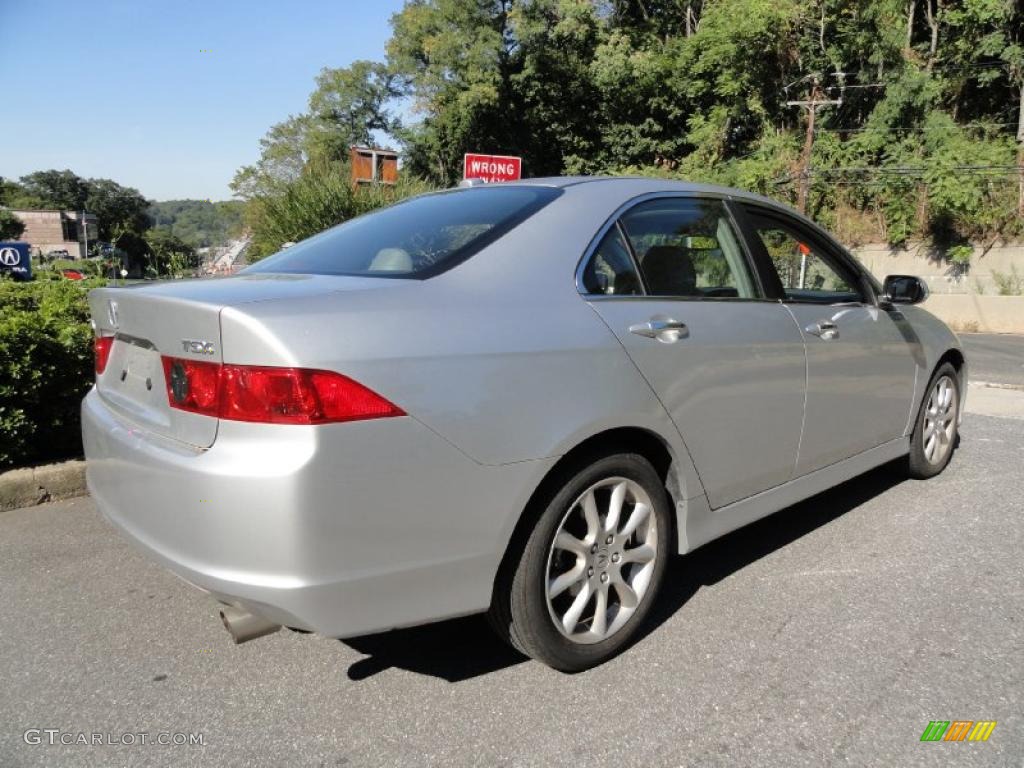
[371,165]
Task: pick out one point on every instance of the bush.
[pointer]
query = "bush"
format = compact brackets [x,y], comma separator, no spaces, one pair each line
[45,369]
[320,198]
[11,226]
[1011,284]
[88,267]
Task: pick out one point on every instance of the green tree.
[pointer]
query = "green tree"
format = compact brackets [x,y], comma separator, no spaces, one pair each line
[56,189]
[200,223]
[456,60]
[11,226]
[346,107]
[115,206]
[320,198]
[917,138]
[168,254]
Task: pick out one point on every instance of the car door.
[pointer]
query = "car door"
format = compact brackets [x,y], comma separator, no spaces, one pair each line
[860,368]
[670,277]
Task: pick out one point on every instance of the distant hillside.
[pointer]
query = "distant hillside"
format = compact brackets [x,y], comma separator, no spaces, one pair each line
[199,222]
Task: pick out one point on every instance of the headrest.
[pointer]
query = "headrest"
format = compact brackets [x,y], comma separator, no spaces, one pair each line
[669,270]
[391,260]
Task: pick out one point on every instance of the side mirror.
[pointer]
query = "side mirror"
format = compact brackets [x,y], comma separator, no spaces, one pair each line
[904,289]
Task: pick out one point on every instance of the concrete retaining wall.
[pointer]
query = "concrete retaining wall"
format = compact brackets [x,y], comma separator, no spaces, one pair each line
[944,277]
[964,297]
[978,314]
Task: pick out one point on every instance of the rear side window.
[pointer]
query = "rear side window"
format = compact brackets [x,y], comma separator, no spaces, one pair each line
[417,238]
[610,271]
[686,247]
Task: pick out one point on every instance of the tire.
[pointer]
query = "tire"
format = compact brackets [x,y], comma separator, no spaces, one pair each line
[935,432]
[564,630]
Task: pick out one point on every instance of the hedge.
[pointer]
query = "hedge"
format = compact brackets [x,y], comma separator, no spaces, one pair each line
[45,368]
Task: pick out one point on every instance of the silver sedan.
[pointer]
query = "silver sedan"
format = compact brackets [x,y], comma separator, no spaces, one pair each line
[518,399]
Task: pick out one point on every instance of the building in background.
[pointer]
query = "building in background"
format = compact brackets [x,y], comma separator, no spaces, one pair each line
[51,230]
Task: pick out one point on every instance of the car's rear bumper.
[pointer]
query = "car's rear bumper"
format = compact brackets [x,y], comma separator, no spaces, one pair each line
[341,529]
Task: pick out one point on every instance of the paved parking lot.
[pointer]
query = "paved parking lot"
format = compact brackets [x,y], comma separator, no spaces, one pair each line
[830,633]
[995,358]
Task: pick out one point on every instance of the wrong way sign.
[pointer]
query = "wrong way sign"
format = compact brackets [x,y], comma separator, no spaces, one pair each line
[492,167]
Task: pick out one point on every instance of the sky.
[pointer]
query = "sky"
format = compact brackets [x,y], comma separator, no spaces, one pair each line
[168,97]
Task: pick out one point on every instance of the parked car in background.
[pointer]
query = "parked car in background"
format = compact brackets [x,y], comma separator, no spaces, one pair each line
[72,274]
[518,398]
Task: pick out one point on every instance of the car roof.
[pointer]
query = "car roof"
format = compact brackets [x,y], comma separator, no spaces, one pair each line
[652,183]
[636,186]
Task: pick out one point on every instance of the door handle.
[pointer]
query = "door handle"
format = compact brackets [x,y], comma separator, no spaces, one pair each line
[826,330]
[667,331]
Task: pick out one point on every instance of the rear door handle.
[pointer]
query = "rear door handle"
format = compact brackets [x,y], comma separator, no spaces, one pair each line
[826,330]
[668,331]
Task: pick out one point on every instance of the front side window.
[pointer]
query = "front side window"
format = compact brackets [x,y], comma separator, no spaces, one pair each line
[413,239]
[807,273]
[686,247]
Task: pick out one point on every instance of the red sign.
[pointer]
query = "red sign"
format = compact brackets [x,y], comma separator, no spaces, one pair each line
[492,167]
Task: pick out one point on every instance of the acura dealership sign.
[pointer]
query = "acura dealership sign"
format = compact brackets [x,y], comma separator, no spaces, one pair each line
[14,261]
[492,167]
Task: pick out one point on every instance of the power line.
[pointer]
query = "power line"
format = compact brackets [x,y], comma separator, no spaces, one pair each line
[854,87]
[1008,181]
[992,172]
[968,126]
[904,169]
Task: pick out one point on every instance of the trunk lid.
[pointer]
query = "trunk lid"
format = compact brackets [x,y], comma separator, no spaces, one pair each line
[180,319]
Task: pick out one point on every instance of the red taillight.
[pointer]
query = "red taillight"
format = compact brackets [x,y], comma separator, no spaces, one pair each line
[191,385]
[270,395]
[101,350]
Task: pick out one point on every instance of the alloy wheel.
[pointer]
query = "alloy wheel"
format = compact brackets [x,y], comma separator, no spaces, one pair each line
[940,420]
[601,560]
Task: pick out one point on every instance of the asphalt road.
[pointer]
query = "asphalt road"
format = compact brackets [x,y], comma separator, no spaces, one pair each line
[831,633]
[995,358]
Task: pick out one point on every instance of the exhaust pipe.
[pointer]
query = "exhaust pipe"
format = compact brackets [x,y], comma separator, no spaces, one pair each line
[245,626]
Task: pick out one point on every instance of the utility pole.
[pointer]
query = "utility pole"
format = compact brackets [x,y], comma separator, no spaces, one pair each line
[85,232]
[812,105]
[1020,150]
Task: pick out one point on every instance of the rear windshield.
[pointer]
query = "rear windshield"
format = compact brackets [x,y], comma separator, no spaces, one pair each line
[416,238]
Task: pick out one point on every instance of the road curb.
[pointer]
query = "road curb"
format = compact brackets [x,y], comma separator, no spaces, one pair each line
[994,385]
[30,486]
[991,400]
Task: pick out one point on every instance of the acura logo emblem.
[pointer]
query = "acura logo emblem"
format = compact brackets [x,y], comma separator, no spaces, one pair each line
[10,257]
[112,313]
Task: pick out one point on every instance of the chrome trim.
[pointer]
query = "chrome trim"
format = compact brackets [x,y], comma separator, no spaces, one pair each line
[134,340]
[614,218]
[614,221]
